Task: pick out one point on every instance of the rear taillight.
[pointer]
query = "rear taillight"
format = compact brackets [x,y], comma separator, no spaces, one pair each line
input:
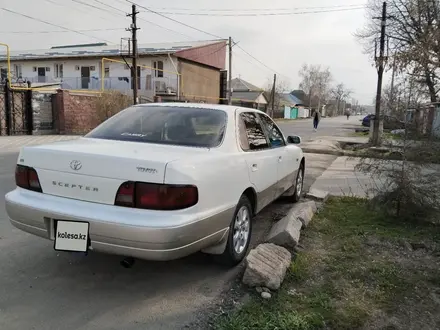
[125,195]
[27,178]
[156,196]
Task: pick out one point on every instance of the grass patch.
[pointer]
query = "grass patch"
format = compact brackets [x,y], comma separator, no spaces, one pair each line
[356,272]
[389,136]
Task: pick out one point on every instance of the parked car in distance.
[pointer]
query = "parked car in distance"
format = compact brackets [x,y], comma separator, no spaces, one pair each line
[366,120]
[158,182]
[389,122]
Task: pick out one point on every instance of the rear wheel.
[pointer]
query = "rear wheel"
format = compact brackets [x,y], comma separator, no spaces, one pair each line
[299,183]
[239,236]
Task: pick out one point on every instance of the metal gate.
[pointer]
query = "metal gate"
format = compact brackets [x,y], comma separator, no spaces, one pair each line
[16,114]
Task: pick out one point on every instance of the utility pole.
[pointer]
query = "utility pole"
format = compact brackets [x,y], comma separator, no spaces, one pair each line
[380,60]
[273,94]
[134,73]
[230,72]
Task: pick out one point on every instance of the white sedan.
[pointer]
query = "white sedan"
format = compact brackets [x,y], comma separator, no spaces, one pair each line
[158,182]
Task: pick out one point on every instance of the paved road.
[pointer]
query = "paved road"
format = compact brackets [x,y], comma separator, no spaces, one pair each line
[42,289]
[335,126]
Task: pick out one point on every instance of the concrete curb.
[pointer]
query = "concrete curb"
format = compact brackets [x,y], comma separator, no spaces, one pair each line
[323,151]
[318,195]
[283,237]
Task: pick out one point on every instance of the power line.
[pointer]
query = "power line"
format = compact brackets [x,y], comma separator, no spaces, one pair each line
[110,6]
[58,31]
[52,24]
[252,63]
[264,14]
[249,9]
[96,7]
[75,8]
[194,28]
[174,20]
[256,59]
[142,19]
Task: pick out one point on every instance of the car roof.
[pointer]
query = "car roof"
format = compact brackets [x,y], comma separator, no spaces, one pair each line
[230,109]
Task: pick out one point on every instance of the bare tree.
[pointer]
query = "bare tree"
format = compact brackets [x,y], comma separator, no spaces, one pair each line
[406,93]
[322,90]
[413,32]
[315,82]
[407,177]
[110,103]
[282,86]
[307,74]
[340,93]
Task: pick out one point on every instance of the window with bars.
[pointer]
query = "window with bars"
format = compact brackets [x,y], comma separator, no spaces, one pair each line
[58,70]
[18,71]
[158,69]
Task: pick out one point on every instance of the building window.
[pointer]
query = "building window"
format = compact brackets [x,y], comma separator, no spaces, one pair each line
[3,74]
[158,69]
[47,69]
[106,72]
[58,71]
[17,71]
[92,68]
[148,85]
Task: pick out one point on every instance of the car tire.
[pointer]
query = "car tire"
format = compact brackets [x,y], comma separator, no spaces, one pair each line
[299,184]
[240,233]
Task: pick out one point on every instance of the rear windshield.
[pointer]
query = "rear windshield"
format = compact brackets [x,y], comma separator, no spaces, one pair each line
[196,127]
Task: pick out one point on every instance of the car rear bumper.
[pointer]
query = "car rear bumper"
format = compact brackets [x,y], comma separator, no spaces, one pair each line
[144,234]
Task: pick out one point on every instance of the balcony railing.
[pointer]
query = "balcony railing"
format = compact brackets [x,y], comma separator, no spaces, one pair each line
[154,85]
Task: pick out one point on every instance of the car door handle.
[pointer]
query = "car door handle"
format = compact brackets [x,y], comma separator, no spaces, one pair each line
[280,159]
[254,167]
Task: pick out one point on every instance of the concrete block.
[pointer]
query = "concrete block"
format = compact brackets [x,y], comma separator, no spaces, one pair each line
[318,195]
[304,212]
[286,232]
[266,266]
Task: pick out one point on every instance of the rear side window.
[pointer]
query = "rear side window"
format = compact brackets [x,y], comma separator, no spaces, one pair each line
[197,127]
[251,133]
[275,136]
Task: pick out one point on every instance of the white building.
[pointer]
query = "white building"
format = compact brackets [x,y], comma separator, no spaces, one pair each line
[167,69]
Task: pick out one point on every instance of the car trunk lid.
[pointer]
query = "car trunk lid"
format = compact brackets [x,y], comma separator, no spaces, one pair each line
[93,169]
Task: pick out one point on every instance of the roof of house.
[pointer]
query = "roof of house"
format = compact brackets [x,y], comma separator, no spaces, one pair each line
[298,93]
[101,49]
[296,99]
[246,96]
[290,99]
[240,85]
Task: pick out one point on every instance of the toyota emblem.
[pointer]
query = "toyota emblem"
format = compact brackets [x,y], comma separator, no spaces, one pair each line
[75,165]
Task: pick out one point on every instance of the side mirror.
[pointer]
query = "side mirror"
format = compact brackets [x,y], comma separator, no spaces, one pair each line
[294,139]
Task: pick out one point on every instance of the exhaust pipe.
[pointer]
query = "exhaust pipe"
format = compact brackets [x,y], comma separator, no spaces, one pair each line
[127,262]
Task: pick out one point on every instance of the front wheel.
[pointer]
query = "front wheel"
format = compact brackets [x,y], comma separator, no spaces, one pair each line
[240,231]
[299,183]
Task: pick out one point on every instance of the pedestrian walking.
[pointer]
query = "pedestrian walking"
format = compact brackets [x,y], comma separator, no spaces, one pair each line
[316,119]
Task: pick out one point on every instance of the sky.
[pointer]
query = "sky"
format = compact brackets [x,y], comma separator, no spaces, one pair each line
[281,42]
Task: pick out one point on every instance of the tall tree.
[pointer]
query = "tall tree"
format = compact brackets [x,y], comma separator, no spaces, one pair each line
[315,82]
[340,93]
[413,32]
